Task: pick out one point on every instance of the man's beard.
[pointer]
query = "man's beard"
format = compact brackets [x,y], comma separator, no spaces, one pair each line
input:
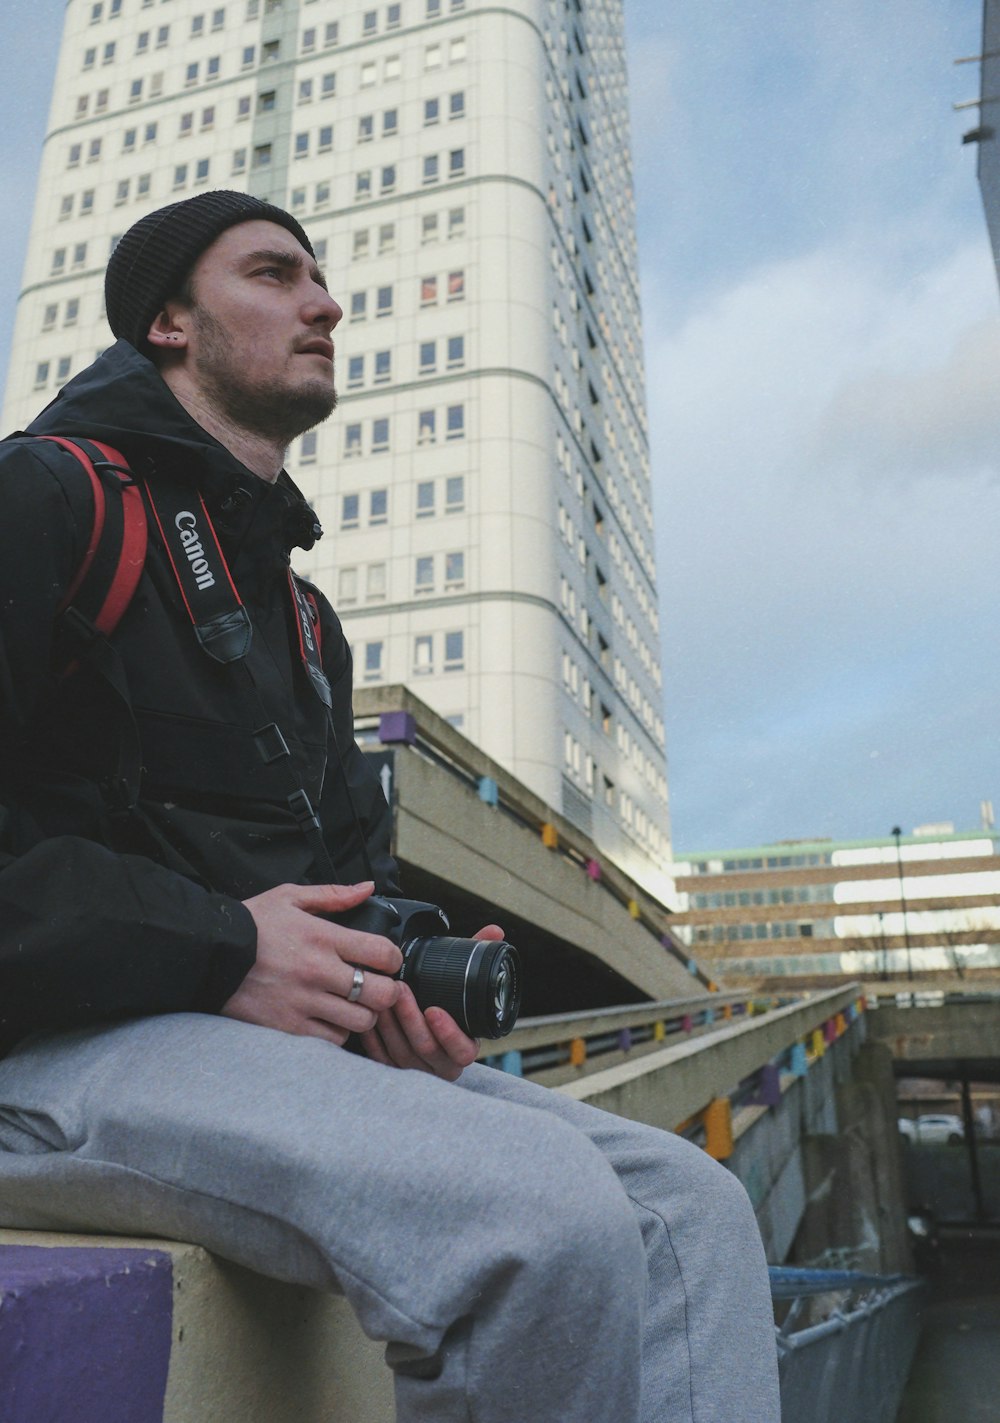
[264,409]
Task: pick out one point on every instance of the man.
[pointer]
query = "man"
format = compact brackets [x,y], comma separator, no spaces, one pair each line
[174,1006]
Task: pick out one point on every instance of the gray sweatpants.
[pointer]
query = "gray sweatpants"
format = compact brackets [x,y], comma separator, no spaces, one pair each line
[525,1256]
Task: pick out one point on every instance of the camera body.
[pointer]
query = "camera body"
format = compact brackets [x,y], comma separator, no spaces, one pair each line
[478,981]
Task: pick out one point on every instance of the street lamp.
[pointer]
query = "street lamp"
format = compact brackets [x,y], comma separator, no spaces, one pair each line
[896,832]
[881,935]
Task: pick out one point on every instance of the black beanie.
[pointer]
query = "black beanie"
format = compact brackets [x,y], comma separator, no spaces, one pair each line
[151,261]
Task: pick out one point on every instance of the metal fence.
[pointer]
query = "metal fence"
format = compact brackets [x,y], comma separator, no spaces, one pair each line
[852,1366]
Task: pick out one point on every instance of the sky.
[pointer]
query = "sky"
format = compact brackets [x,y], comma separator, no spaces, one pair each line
[822,338]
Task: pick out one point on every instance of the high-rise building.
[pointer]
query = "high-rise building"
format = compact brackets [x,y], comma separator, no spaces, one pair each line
[915,905]
[463,170]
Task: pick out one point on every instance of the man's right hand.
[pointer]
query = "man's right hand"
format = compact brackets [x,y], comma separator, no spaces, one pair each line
[305,965]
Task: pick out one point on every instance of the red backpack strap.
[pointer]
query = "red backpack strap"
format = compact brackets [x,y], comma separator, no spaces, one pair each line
[106,579]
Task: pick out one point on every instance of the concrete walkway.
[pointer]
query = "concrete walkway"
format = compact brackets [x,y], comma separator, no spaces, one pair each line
[956,1372]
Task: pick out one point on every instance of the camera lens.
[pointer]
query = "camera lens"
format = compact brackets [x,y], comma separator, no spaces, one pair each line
[477,981]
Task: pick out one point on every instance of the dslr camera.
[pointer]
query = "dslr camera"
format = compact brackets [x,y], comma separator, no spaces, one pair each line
[477,981]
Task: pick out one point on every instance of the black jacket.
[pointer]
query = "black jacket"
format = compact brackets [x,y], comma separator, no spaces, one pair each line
[102,917]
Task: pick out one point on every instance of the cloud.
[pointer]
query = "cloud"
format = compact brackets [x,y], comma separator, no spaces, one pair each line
[824,454]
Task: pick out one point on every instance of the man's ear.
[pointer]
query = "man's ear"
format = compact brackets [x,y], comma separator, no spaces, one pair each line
[166,333]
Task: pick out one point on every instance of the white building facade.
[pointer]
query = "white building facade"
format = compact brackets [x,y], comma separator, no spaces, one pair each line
[463,171]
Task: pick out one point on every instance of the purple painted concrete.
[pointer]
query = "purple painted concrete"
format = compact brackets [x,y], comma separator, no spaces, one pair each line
[85,1334]
[768,1092]
[397,726]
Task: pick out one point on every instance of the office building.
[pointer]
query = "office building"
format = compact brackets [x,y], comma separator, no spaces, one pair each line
[463,170]
[909,905]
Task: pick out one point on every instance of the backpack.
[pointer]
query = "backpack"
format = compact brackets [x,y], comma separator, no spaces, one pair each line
[106,580]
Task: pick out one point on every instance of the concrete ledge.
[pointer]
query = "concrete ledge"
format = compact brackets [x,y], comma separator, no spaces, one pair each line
[103,1329]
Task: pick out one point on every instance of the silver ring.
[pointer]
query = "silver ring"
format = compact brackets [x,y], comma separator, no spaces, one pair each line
[356,986]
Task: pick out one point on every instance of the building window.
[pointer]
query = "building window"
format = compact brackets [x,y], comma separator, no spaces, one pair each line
[456,422]
[186,125]
[426,427]
[454,651]
[328,86]
[89,58]
[369,23]
[41,374]
[63,369]
[352,440]
[387,237]
[373,661]
[94,150]
[383,367]
[423,655]
[309,40]
[301,145]
[49,316]
[425,499]
[149,133]
[428,291]
[390,123]
[392,17]
[243,106]
[433,9]
[213,67]
[142,42]
[347,586]
[101,103]
[378,506]
[135,91]
[197,26]
[248,56]
[392,68]
[191,74]
[383,301]
[307,447]
[58,259]
[201,170]
[270,51]
[66,206]
[218,19]
[366,128]
[432,56]
[456,222]
[142,185]
[359,243]
[76,150]
[350,506]
[389,178]
[368,74]
[180,175]
[239,160]
[375,588]
[432,112]
[359,306]
[428,228]
[456,105]
[355,372]
[454,570]
[456,52]
[363,185]
[456,286]
[431,168]
[262,155]
[380,435]
[109,53]
[423,577]
[428,358]
[454,494]
[80,254]
[86,202]
[266,101]
[331,34]
[456,352]
[208,118]
[456,163]
[298,199]
[305,91]
[325,139]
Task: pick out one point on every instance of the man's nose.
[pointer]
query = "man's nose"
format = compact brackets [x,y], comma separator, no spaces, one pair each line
[324,310]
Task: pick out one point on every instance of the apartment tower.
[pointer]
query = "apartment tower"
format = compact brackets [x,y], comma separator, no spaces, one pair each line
[463,170]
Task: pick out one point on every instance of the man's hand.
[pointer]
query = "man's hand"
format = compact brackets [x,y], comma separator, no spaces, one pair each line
[305,965]
[428,1042]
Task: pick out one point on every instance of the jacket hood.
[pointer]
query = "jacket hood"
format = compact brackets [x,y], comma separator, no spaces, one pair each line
[121,400]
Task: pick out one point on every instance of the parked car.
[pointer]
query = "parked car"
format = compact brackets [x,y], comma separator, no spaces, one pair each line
[933,1127]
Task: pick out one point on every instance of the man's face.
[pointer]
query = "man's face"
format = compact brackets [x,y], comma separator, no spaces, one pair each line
[259,344]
